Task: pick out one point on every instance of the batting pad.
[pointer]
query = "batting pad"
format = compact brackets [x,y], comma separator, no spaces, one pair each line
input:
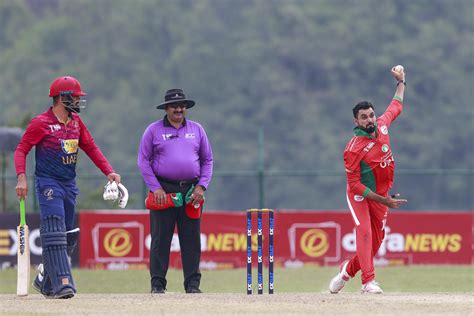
[55,259]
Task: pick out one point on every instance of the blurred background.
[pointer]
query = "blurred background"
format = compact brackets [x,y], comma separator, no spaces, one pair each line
[274,82]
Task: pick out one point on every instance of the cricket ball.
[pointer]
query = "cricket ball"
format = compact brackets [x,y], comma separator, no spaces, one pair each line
[398,68]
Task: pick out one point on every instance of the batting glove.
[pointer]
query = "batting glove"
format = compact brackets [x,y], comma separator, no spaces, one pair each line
[111,192]
[123,195]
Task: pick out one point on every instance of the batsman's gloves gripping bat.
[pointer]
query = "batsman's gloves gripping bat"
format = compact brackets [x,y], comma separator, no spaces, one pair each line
[114,191]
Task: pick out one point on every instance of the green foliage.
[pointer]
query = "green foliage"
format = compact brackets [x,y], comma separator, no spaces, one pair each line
[295,68]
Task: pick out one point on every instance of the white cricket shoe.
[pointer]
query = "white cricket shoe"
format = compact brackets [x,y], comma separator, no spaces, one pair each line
[371,287]
[339,281]
[38,282]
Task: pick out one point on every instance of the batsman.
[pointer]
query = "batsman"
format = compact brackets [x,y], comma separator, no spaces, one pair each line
[57,135]
[370,165]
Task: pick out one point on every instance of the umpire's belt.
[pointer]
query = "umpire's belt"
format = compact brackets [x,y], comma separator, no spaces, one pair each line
[181,183]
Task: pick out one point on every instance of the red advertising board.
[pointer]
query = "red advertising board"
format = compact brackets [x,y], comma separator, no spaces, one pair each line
[121,240]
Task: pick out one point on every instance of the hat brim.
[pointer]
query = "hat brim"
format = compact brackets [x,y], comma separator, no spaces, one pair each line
[189,103]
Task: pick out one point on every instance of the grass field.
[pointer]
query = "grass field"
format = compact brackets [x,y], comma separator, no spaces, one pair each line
[411,279]
[416,290]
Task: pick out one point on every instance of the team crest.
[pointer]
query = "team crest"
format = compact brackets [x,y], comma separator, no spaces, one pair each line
[384,130]
[384,148]
[69,146]
[48,193]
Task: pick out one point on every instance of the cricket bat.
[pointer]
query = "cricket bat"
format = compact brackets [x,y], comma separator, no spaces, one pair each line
[23,254]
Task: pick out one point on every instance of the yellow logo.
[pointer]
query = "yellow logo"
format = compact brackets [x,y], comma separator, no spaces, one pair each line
[5,243]
[69,146]
[314,242]
[117,242]
[433,242]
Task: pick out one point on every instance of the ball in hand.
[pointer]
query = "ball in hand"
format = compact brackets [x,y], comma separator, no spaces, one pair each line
[398,68]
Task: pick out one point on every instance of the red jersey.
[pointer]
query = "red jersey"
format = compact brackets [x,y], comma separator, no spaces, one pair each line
[369,160]
[57,147]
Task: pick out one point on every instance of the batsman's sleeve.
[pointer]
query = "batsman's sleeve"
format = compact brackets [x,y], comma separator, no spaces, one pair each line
[145,160]
[32,136]
[352,166]
[393,110]
[87,143]
[206,160]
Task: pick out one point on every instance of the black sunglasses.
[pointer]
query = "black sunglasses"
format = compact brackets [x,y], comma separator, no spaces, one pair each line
[177,105]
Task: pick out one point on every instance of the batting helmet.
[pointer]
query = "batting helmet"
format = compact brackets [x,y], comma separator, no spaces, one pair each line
[66,85]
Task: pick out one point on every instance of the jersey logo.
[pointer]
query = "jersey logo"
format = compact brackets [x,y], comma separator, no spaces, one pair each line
[358,198]
[169,136]
[386,162]
[384,130]
[384,148]
[69,146]
[54,127]
[189,135]
[369,145]
[48,193]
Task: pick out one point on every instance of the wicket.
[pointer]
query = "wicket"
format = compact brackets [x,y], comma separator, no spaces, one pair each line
[260,249]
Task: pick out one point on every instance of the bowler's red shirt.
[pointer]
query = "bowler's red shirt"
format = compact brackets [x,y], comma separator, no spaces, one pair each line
[368,160]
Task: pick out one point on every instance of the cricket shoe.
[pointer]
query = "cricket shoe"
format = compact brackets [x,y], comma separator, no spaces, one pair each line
[38,282]
[158,290]
[371,287]
[339,281]
[38,285]
[65,293]
[193,290]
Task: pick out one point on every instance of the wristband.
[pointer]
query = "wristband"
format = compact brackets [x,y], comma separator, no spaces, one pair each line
[402,81]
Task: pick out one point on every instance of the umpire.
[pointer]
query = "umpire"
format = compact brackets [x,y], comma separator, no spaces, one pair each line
[174,156]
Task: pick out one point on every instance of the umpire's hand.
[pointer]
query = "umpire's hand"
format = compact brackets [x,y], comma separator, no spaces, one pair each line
[159,196]
[197,196]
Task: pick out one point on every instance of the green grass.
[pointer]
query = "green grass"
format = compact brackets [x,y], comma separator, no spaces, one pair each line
[308,279]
